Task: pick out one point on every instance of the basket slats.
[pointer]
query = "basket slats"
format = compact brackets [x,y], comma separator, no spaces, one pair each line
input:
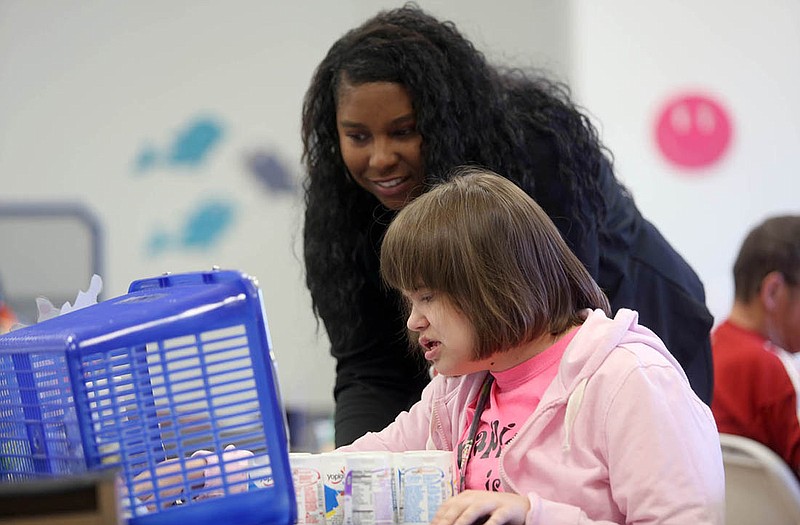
[172,386]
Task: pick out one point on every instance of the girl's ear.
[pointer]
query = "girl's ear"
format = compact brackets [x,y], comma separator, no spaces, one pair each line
[771,286]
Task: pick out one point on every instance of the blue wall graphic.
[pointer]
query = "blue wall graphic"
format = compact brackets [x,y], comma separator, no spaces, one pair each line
[190,148]
[188,152]
[270,172]
[202,228]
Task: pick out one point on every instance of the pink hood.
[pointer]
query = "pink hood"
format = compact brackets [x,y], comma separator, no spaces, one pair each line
[620,409]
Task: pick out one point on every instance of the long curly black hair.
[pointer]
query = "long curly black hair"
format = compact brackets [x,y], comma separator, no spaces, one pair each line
[468,111]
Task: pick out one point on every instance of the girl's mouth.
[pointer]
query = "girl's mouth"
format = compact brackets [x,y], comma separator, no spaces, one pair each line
[431,349]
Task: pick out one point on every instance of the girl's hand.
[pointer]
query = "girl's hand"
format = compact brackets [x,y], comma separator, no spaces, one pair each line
[480,506]
[169,478]
[201,471]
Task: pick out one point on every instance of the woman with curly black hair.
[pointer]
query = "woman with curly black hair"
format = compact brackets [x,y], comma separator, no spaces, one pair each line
[394,105]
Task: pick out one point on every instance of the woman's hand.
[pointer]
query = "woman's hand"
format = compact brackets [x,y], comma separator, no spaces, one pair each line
[480,506]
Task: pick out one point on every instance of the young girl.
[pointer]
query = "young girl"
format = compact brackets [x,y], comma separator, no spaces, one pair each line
[556,412]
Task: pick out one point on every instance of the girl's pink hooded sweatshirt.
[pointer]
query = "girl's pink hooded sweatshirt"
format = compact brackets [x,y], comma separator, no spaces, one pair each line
[618,437]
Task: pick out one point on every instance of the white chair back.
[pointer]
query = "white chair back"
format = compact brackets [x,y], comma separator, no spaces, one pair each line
[760,487]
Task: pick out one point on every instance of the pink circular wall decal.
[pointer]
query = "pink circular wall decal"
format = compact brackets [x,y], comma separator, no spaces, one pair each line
[693,131]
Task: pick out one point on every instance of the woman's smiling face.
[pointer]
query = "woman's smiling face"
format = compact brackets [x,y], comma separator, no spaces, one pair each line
[379,141]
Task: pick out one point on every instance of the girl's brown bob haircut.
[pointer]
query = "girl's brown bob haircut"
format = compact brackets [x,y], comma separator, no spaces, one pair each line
[495,253]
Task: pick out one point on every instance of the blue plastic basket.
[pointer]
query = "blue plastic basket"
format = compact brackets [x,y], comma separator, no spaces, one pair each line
[180,363]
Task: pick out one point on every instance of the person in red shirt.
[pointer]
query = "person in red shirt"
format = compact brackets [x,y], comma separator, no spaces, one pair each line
[756,379]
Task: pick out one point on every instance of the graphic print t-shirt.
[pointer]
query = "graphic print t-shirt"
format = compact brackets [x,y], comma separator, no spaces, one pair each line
[514,396]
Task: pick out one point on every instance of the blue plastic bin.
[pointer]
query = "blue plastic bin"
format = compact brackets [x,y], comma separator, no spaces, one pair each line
[181,363]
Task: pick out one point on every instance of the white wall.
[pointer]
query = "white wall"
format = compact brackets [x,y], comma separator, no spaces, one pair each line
[630,56]
[86,88]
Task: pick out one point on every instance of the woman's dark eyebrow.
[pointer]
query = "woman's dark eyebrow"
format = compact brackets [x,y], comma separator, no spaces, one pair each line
[399,120]
[403,119]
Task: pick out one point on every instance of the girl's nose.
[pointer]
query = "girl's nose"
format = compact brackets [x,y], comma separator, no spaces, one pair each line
[416,322]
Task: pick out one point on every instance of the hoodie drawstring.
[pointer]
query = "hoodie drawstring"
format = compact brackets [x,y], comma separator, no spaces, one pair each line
[573,406]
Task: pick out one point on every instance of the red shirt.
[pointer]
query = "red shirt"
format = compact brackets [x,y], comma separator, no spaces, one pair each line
[754,392]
